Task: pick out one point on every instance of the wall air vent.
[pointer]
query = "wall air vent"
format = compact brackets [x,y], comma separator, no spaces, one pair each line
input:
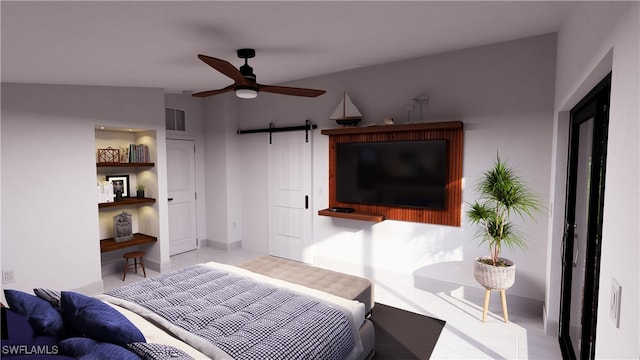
[175,119]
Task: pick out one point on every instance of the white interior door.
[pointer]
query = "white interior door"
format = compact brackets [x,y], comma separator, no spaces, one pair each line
[289,196]
[182,195]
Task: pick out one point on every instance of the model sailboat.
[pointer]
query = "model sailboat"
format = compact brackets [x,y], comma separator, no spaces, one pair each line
[346,113]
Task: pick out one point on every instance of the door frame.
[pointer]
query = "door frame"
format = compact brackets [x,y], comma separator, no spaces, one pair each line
[595,104]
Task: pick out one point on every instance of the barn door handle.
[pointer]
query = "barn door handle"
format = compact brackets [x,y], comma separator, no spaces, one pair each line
[576,245]
[306,201]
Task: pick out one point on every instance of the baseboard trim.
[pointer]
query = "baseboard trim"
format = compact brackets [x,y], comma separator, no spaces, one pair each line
[113,266]
[471,294]
[116,266]
[551,326]
[156,266]
[475,295]
[219,245]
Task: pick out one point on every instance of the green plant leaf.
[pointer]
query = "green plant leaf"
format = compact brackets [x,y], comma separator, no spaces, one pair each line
[500,193]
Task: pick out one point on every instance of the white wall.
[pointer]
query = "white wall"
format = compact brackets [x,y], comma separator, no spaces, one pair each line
[504,95]
[50,234]
[223,209]
[595,39]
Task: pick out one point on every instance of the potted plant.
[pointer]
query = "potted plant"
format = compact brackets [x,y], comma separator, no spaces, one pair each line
[140,191]
[501,194]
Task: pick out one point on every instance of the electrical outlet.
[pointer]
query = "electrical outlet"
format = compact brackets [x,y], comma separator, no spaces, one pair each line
[614,307]
[8,277]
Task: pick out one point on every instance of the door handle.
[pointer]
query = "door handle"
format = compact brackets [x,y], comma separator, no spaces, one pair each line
[170,199]
[568,227]
[306,201]
[576,246]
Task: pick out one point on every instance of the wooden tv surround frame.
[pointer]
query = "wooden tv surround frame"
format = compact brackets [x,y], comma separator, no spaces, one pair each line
[451,131]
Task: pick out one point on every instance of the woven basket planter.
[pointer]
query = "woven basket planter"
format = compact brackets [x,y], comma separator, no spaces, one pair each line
[495,277]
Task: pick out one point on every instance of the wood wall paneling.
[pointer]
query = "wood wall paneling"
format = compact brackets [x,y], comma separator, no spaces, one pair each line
[451,131]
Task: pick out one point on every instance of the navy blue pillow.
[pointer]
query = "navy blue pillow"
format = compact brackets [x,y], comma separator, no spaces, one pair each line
[97,320]
[18,337]
[42,316]
[89,349]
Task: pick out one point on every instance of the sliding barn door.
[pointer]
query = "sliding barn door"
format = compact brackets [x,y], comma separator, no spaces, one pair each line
[290,212]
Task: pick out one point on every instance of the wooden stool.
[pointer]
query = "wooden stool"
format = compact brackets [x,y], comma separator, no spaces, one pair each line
[487,295]
[135,255]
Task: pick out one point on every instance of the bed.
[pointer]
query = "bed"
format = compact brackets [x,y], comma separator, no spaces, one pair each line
[206,311]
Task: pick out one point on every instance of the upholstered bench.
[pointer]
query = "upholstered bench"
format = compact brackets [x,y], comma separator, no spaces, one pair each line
[339,284]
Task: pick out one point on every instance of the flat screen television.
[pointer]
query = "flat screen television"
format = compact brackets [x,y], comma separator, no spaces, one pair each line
[393,173]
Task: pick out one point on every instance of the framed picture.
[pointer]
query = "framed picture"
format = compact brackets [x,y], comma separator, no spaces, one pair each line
[120,182]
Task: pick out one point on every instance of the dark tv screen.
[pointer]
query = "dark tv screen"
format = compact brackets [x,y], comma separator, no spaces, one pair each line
[393,173]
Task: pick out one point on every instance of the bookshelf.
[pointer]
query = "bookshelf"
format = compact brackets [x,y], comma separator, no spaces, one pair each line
[138,170]
[124,165]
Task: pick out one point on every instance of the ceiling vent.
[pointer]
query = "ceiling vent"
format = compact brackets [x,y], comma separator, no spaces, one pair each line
[175,119]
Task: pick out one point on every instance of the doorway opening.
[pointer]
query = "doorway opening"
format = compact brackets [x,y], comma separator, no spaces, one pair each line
[589,122]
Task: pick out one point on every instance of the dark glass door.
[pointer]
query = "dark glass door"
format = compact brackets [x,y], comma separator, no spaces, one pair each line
[583,223]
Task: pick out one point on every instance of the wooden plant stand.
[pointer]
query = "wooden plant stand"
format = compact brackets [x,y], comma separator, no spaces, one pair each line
[487,296]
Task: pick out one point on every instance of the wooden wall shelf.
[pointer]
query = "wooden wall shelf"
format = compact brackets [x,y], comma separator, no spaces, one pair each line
[350,130]
[138,239]
[127,202]
[353,215]
[124,165]
[452,131]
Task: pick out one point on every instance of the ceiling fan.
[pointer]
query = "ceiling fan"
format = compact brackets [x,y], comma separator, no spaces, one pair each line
[245,85]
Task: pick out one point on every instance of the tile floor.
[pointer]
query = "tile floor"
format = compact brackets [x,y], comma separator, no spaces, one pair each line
[464,336]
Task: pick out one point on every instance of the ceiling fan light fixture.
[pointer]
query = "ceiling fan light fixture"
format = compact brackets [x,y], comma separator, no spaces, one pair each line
[246,93]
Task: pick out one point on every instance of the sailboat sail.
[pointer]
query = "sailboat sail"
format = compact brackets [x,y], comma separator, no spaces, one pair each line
[346,110]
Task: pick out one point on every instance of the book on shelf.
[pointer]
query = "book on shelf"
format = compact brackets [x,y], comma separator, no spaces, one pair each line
[139,153]
[133,153]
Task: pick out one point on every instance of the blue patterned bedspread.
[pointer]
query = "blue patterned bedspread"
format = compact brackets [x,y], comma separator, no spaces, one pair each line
[244,318]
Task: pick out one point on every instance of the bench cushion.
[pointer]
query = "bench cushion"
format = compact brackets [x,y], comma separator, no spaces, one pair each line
[344,285]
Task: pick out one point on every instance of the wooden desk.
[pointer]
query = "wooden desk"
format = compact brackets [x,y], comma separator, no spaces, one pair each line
[138,239]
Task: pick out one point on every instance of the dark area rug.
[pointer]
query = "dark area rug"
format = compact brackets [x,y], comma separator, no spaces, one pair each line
[403,335]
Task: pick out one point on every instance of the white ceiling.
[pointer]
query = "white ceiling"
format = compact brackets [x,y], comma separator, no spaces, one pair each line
[155,43]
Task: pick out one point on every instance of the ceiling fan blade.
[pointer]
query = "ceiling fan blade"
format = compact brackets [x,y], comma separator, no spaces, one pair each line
[224,67]
[285,90]
[214,92]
